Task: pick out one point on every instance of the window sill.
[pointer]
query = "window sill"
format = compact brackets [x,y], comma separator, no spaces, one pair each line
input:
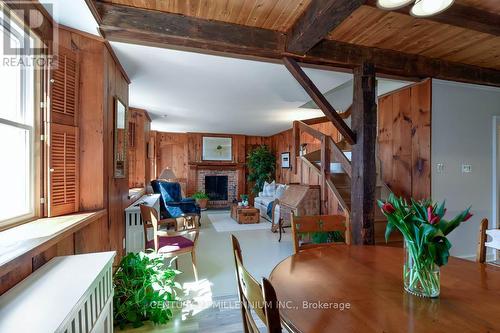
[37,236]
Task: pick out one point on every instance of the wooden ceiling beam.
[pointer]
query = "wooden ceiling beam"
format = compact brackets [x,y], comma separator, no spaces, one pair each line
[399,64]
[154,28]
[320,100]
[129,24]
[462,16]
[317,21]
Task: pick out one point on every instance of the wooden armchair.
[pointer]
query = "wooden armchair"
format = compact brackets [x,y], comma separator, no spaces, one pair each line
[483,244]
[318,223]
[261,298]
[169,243]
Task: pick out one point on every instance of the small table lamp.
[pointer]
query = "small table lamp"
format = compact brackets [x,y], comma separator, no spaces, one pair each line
[168,175]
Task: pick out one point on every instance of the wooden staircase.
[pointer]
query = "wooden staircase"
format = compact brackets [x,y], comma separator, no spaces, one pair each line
[333,166]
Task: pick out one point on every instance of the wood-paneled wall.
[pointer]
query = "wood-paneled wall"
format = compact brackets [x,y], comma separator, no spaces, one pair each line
[283,142]
[138,158]
[182,151]
[404,140]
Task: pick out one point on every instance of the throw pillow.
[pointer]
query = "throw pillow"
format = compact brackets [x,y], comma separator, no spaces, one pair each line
[269,189]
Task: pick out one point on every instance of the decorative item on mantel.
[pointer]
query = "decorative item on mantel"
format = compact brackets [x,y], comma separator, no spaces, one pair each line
[424,230]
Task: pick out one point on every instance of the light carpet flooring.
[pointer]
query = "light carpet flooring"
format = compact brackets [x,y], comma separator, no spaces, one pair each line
[212,299]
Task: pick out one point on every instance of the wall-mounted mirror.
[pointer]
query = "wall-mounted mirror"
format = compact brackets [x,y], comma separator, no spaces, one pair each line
[120,138]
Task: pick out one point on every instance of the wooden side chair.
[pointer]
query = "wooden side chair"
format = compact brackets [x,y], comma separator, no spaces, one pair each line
[261,298]
[483,242]
[169,243]
[304,226]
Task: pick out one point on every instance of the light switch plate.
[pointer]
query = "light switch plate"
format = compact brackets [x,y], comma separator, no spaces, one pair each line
[466,168]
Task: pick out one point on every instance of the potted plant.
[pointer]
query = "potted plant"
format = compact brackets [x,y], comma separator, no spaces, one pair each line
[144,290]
[424,230]
[261,164]
[201,199]
[244,200]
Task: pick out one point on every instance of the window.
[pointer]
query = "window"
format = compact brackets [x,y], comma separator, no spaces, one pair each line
[17,120]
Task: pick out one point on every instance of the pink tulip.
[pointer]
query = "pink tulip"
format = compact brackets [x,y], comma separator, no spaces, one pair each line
[431,217]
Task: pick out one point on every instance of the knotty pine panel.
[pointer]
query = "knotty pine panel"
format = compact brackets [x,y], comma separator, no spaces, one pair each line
[404,140]
[270,14]
[372,27]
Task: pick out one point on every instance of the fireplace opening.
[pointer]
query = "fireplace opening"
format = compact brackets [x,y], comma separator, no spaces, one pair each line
[216,187]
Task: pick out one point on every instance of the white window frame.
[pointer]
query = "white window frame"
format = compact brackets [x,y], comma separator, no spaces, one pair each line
[27,80]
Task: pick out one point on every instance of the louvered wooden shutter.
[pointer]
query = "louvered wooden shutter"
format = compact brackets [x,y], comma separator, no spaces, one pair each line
[63,144]
[64,86]
[63,190]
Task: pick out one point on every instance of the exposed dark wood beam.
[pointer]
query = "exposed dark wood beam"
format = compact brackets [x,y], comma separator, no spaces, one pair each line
[153,28]
[364,173]
[131,24]
[320,120]
[94,11]
[317,21]
[462,16]
[320,100]
[400,64]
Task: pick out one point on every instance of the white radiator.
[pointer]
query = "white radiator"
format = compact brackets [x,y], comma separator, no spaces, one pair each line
[71,294]
[134,230]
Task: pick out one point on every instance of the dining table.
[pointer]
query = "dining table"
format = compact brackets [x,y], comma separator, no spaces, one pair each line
[342,288]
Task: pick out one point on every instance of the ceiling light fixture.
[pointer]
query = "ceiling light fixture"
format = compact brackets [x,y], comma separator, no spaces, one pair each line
[425,8]
[421,8]
[393,4]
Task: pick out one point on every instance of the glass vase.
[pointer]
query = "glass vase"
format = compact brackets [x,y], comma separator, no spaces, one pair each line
[420,273]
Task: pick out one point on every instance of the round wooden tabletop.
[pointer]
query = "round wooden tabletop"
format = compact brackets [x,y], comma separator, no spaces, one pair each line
[360,289]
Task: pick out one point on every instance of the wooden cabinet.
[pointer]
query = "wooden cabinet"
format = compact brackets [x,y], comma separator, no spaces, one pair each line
[301,200]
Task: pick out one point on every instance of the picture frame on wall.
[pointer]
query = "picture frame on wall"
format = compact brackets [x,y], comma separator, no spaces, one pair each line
[217,149]
[285,160]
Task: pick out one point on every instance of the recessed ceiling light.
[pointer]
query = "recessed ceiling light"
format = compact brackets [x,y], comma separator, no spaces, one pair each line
[393,4]
[425,8]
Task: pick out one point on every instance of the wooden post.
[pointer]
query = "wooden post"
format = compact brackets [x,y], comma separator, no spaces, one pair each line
[364,125]
[296,146]
[325,169]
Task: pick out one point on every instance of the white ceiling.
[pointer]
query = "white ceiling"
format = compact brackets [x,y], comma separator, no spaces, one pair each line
[72,13]
[206,93]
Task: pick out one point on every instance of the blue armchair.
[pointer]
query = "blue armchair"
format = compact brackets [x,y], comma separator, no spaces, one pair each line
[172,205]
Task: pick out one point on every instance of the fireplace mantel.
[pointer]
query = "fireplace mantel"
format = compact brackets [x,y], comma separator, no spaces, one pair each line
[216,165]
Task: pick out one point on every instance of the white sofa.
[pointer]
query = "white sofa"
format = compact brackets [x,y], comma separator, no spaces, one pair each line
[262,201]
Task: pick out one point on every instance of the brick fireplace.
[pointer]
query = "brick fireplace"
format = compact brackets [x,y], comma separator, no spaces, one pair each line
[232,185]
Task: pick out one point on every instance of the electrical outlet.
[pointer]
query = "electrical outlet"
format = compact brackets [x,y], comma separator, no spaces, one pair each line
[440,167]
[466,168]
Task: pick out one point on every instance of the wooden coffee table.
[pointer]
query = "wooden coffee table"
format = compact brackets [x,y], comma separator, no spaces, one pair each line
[245,215]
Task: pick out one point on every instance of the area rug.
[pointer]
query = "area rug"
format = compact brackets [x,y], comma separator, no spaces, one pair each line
[223,222]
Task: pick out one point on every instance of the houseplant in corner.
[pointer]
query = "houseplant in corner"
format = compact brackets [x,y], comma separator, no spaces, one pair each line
[424,229]
[261,164]
[201,199]
[144,290]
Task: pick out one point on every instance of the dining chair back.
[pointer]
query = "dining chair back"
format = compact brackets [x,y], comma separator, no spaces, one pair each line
[328,229]
[261,298]
[169,243]
[484,244]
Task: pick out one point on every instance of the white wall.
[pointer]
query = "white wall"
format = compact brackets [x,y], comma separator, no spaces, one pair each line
[462,132]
